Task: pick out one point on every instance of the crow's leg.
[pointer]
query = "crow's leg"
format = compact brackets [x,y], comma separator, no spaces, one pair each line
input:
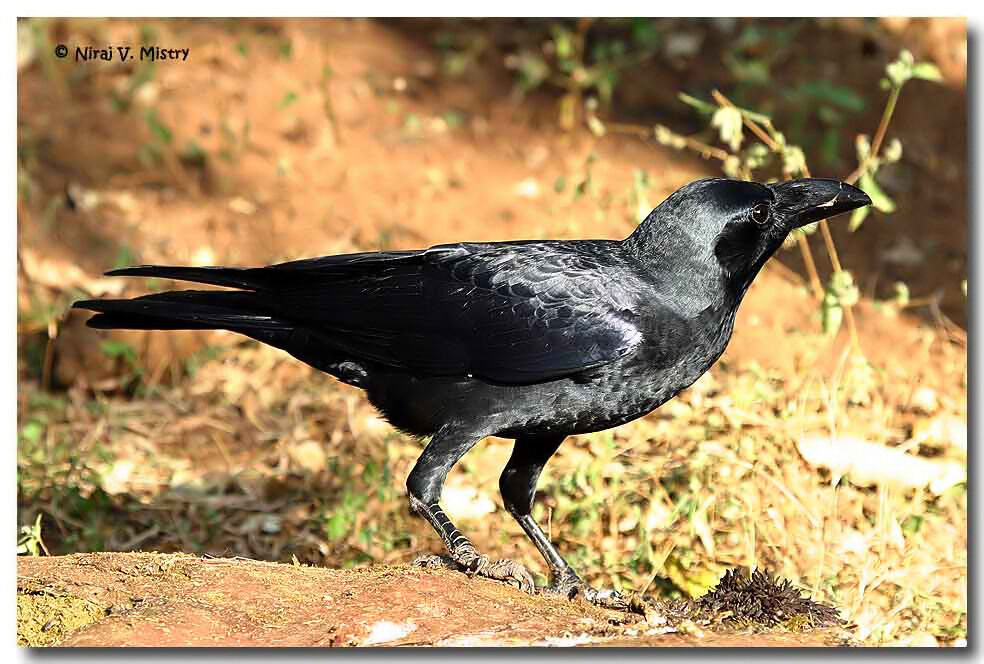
[425,484]
[518,487]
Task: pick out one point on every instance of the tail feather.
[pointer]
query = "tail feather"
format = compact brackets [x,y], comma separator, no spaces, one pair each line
[184,310]
[326,269]
[236,277]
[243,312]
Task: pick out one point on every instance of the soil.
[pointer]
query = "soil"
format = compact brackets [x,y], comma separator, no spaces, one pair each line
[151,599]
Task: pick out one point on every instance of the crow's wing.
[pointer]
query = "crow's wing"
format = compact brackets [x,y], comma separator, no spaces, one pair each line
[507,312]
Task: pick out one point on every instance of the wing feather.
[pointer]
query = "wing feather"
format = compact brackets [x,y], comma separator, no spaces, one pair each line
[513,312]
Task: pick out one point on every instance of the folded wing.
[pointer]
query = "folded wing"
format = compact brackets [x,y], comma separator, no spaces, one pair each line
[511,313]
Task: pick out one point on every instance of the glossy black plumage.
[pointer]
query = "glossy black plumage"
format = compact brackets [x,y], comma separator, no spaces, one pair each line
[530,340]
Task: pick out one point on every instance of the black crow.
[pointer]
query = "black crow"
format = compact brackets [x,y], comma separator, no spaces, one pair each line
[529,340]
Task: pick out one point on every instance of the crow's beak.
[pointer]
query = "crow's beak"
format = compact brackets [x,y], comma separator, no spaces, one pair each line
[812,199]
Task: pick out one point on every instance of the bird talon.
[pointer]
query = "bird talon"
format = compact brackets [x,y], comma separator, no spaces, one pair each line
[471,560]
[432,561]
[571,586]
[511,572]
[567,584]
[607,598]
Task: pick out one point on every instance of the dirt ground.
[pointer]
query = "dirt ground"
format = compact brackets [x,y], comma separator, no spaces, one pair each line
[281,139]
[144,599]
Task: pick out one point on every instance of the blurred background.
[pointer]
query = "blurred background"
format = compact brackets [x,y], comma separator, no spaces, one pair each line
[828,445]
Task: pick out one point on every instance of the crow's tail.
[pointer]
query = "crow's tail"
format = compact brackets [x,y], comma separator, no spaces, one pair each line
[237,311]
[236,277]
[247,313]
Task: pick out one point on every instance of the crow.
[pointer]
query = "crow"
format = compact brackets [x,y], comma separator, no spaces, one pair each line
[526,340]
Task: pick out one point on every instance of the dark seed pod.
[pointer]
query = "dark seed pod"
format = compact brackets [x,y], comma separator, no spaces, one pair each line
[743,599]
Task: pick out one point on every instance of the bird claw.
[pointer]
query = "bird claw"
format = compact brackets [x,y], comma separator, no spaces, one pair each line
[568,586]
[508,571]
[571,586]
[607,598]
[434,561]
[472,562]
[469,559]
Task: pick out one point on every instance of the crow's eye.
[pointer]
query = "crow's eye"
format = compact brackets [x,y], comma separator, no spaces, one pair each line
[760,213]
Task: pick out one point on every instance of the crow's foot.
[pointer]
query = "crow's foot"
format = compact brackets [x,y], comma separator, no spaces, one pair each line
[434,561]
[608,598]
[569,585]
[467,559]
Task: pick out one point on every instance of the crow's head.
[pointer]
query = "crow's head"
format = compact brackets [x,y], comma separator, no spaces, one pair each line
[759,217]
[733,227]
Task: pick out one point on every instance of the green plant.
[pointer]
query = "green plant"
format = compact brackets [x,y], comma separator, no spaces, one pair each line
[234,143]
[30,542]
[285,48]
[288,99]
[120,349]
[460,51]
[566,62]
[872,155]
[773,152]
[152,152]
[757,49]
[638,199]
